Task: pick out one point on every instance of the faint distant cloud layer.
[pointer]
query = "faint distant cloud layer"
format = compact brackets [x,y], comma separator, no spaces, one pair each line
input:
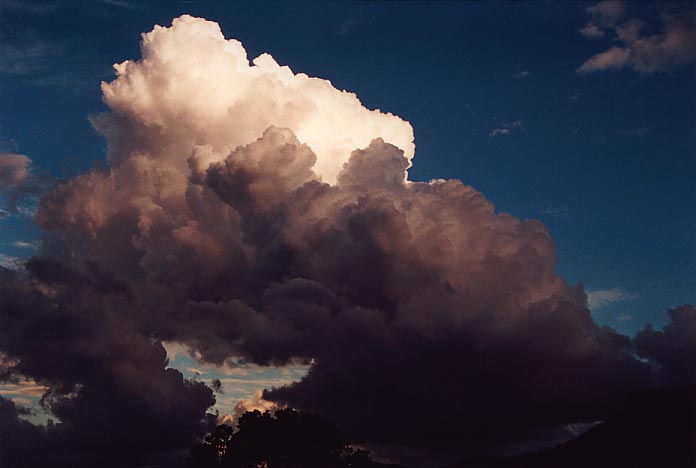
[28,56]
[47,7]
[30,7]
[506,129]
[120,4]
[634,47]
[602,298]
[30,60]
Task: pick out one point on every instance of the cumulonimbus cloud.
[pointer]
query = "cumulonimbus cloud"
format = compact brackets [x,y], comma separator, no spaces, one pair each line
[248,212]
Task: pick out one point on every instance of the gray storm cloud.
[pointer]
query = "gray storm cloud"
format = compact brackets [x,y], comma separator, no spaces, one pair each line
[253,213]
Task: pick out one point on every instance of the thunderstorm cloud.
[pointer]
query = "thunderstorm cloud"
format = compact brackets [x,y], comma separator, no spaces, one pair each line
[250,212]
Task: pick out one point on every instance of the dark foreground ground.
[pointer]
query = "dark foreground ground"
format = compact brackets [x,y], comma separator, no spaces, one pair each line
[653,430]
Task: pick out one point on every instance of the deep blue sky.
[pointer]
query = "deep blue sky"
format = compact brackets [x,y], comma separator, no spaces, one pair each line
[606,160]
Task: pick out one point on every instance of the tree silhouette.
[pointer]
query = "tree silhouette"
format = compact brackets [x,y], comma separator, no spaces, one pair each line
[286,439]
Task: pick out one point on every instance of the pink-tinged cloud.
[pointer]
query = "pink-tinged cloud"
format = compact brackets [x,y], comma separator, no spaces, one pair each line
[644,53]
[14,169]
[198,88]
[23,388]
[616,57]
[20,186]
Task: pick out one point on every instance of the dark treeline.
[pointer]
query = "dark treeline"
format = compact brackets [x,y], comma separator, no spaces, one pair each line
[652,429]
[285,439]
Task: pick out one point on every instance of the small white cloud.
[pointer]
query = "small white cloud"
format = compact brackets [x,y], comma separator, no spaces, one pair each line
[591,30]
[499,131]
[556,211]
[522,74]
[9,262]
[602,298]
[506,129]
[637,132]
[25,245]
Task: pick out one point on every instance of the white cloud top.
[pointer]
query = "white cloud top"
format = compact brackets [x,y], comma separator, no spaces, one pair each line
[197,86]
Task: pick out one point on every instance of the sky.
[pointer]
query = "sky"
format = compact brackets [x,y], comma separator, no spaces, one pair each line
[580,115]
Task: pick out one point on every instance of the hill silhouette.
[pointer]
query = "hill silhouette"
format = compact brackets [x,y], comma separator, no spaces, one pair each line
[653,429]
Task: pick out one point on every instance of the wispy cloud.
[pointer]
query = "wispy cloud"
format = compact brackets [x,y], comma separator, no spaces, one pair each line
[637,132]
[353,21]
[119,4]
[27,57]
[27,388]
[602,298]
[643,52]
[25,245]
[520,75]
[31,7]
[506,129]
[556,211]
[9,262]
